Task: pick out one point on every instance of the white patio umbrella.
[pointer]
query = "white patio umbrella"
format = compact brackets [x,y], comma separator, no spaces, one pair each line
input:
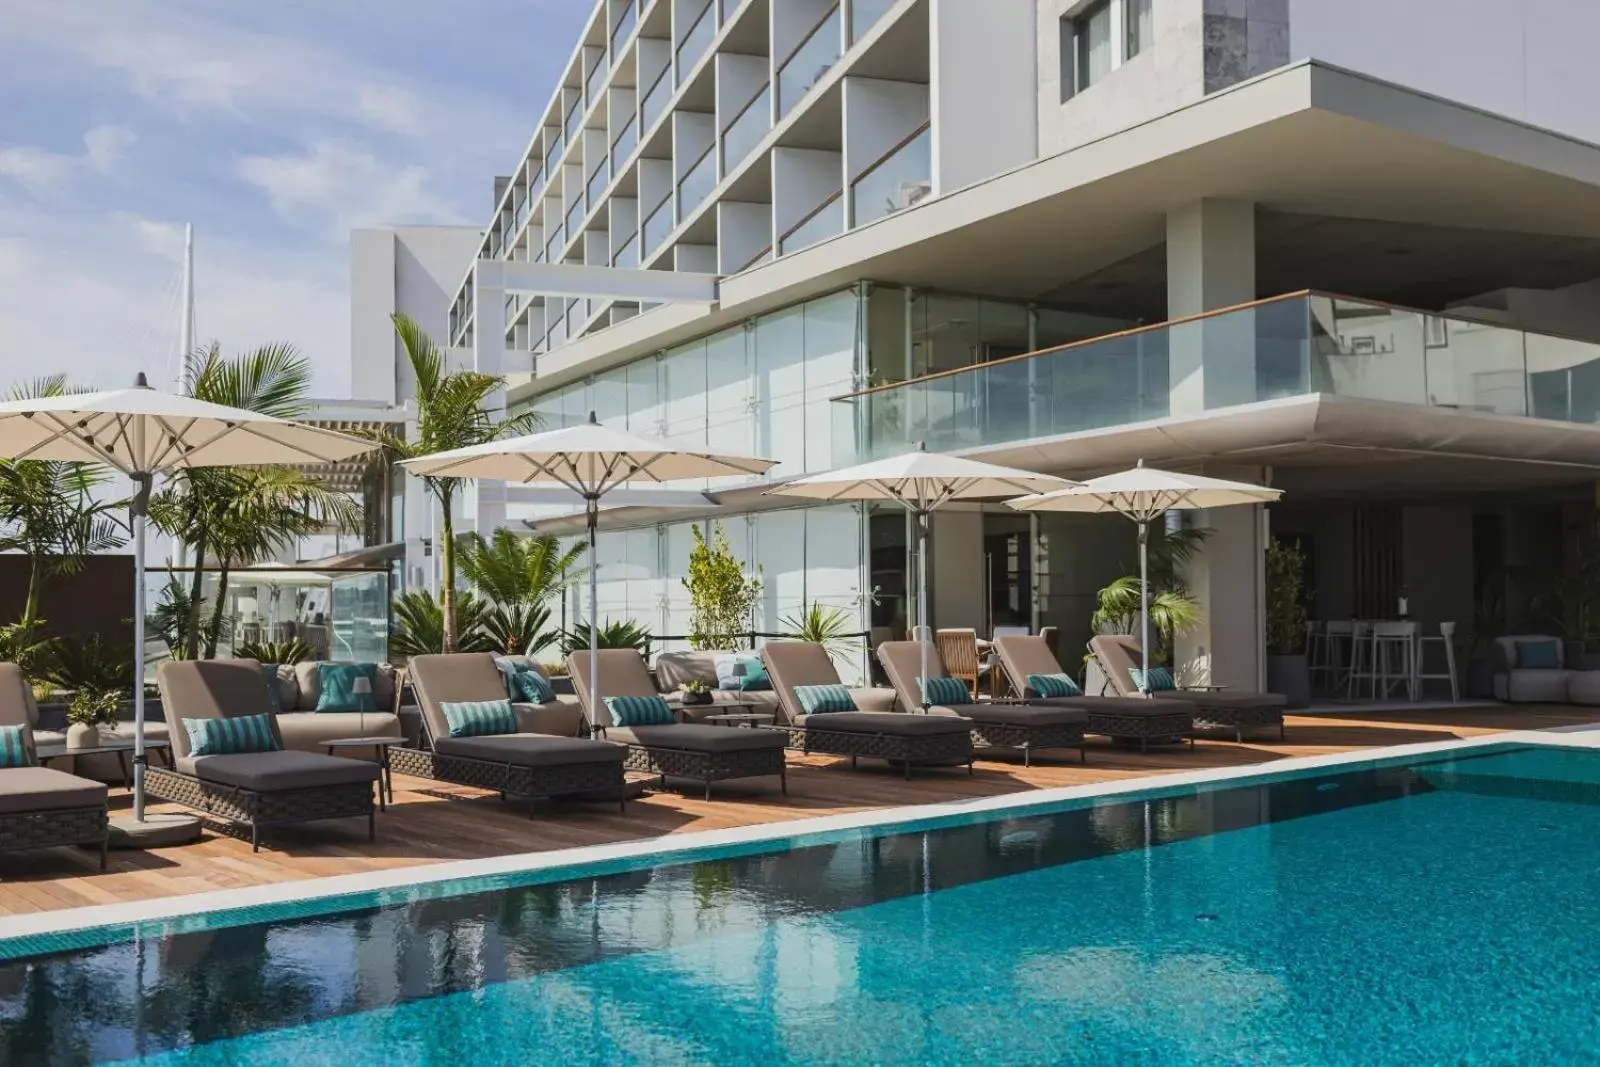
[591,460]
[142,433]
[921,482]
[1144,494]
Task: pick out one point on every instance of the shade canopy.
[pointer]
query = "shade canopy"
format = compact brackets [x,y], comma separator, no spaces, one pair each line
[1145,493]
[920,480]
[144,431]
[590,459]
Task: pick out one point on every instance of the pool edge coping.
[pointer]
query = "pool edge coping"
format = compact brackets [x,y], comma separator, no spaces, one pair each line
[675,848]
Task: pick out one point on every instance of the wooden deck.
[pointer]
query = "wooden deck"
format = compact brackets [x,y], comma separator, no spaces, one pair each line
[431,822]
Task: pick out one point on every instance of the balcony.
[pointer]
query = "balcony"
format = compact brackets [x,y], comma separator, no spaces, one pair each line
[1295,345]
[825,220]
[807,64]
[655,102]
[695,42]
[697,184]
[748,127]
[864,14]
[901,179]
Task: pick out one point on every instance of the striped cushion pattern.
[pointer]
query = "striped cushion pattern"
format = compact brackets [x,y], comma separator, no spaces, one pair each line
[14,747]
[525,684]
[1160,680]
[816,699]
[639,711]
[945,691]
[478,718]
[230,737]
[1054,685]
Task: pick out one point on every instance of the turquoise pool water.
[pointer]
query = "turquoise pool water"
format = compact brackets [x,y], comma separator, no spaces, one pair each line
[1440,913]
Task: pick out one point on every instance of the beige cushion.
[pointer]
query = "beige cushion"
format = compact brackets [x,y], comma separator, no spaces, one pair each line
[308,731]
[691,738]
[447,679]
[17,707]
[531,750]
[622,674]
[210,689]
[25,789]
[1021,655]
[307,676]
[560,718]
[675,668]
[902,662]
[794,663]
[267,772]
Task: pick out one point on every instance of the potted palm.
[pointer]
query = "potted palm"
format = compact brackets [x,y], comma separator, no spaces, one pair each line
[87,712]
[695,692]
[1287,670]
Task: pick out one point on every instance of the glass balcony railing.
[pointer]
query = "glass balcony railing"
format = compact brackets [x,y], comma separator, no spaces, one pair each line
[597,78]
[826,221]
[808,63]
[696,41]
[598,182]
[625,143]
[902,179]
[552,154]
[1288,346]
[574,120]
[627,19]
[575,216]
[628,255]
[657,226]
[864,14]
[655,102]
[697,184]
[746,130]
[554,247]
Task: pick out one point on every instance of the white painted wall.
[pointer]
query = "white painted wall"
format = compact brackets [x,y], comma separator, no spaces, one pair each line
[983,91]
[413,269]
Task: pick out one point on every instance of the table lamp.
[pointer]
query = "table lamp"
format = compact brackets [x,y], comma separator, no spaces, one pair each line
[362,687]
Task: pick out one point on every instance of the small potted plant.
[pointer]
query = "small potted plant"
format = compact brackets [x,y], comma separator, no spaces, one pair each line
[88,710]
[695,692]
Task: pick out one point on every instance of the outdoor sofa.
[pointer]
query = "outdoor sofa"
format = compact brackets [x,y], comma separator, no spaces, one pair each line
[1119,655]
[673,669]
[260,789]
[40,807]
[305,729]
[1025,727]
[546,756]
[874,731]
[700,752]
[1123,719]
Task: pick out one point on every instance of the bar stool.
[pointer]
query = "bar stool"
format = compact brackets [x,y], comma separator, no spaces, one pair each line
[1394,657]
[1319,654]
[1360,668]
[1446,639]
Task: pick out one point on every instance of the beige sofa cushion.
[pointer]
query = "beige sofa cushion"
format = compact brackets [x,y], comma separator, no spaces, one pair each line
[675,668]
[210,689]
[309,686]
[308,731]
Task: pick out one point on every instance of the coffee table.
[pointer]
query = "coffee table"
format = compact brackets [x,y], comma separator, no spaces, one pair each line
[49,750]
[742,718]
[380,746]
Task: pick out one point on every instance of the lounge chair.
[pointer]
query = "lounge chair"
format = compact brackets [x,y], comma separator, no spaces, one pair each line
[274,788]
[532,762]
[1123,719]
[678,750]
[39,807]
[1026,727]
[1119,655]
[876,731]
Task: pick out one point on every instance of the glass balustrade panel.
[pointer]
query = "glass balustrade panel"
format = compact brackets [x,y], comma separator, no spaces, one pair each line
[864,14]
[808,63]
[903,179]
[828,222]
[627,18]
[598,182]
[655,102]
[657,226]
[628,255]
[747,130]
[696,41]
[626,142]
[697,184]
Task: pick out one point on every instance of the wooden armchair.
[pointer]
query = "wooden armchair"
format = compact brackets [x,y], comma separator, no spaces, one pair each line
[959,650]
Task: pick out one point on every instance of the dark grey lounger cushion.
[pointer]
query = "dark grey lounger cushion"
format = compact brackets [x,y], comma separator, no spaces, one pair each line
[692,738]
[896,723]
[1124,705]
[1203,699]
[1027,715]
[24,789]
[531,750]
[267,772]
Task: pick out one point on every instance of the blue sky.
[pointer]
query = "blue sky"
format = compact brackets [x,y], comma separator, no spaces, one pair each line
[274,128]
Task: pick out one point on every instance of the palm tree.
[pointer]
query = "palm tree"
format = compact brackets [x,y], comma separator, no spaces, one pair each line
[520,570]
[450,414]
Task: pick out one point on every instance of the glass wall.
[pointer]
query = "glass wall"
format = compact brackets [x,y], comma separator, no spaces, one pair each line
[342,615]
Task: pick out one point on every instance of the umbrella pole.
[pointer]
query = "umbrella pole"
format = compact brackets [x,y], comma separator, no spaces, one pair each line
[594,607]
[1144,602]
[924,636]
[138,508]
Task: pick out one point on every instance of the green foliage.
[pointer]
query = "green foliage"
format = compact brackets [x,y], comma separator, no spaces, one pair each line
[1286,610]
[518,629]
[515,570]
[721,594]
[291,651]
[624,634]
[91,665]
[25,644]
[94,707]
[170,617]
[1172,611]
[694,685]
[829,627]
[419,625]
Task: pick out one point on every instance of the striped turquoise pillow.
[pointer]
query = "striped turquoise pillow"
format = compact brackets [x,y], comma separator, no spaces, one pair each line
[817,699]
[1160,680]
[639,711]
[1054,685]
[14,747]
[478,718]
[945,691]
[525,684]
[230,737]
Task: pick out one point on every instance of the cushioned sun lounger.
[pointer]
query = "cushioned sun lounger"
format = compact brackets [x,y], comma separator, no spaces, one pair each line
[875,731]
[1119,654]
[1025,727]
[1124,719]
[273,788]
[40,807]
[673,750]
[526,763]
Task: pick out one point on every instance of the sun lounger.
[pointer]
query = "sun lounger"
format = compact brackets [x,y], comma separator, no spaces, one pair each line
[261,789]
[1025,727]
[39,807]
[1118,655]
[528,763]
[678,750]
[875,731]
[1122,719]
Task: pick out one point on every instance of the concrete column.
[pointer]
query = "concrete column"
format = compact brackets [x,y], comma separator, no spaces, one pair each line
[484,502]
[955,569]
[1211,264]
[1228,580]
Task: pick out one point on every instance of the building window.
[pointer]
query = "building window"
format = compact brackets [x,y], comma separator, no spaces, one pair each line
[1085,48]
[1141,28]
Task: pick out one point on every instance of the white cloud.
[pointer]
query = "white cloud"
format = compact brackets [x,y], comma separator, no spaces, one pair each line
[44,174]
[105,146]
[390,107]
[340,186]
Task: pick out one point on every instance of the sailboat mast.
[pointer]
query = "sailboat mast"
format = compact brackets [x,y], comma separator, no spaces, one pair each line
[186,327]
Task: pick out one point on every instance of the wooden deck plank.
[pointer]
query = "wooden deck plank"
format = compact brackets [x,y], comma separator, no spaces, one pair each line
[431,822]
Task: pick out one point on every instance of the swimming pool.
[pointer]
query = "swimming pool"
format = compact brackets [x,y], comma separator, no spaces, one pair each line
[1417,913]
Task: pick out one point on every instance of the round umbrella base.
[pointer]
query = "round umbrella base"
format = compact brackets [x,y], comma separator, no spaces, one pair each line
[157,831]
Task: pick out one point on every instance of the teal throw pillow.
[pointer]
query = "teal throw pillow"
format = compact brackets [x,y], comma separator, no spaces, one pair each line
[743,672]
[1538,656]
[14,747]
[478,718]
[524,684]
[1054,685]
[269,671]
[818,699]
[944,691]
[639,711]
[230,737]
[337,682]
[1160,680]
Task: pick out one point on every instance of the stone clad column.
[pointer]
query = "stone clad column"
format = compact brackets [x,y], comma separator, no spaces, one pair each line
[1211,264]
